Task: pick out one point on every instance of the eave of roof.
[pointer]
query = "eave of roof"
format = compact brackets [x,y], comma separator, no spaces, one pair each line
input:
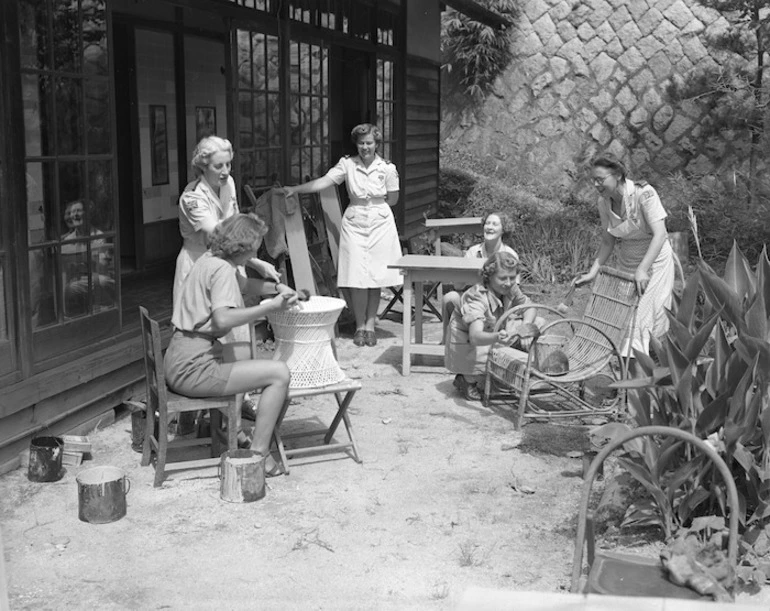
[479,13]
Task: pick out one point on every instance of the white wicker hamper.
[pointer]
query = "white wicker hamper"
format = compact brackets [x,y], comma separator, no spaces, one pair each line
[303,339]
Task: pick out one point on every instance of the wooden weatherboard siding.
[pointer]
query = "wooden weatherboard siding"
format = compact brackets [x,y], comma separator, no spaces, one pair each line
[59,399]
[422,127]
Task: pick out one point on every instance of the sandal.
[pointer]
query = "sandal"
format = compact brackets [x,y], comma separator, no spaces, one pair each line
[359,339]
[370,338]
[274,471]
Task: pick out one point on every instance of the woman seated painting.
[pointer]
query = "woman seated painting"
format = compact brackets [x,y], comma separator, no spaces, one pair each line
[210,304]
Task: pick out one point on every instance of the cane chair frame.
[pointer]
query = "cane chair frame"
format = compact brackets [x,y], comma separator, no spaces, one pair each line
[594,349]
[637,568]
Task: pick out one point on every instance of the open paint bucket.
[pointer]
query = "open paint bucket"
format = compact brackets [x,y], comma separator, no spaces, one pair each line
[242,476]
[102,494]
[45,459]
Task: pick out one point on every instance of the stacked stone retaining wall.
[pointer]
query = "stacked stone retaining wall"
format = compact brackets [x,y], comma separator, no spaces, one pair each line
[590,75]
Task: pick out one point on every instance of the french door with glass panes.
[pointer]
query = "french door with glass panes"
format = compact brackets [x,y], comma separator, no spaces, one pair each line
[69,164]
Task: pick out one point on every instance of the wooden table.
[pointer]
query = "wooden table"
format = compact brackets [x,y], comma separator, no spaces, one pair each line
[418,269]
[471,224]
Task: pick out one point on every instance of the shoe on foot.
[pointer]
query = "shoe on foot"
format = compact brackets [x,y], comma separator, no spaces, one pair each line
[472,392]
[274,469]
[359,339]
[370,339]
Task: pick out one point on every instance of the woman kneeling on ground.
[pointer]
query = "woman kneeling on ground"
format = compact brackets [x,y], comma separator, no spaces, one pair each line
[471,325]
[210,304]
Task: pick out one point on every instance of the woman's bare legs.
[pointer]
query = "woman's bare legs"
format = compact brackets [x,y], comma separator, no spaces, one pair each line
[372,305]
[359,303]
[273,378]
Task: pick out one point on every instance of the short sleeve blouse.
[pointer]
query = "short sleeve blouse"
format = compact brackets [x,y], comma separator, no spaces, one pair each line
[199,203]
[479,303]
[641,208]
[213,283]
[365,183]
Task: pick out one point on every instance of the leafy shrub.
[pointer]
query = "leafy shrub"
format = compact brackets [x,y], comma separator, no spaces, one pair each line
[475,54]
[724,214]
[555,241]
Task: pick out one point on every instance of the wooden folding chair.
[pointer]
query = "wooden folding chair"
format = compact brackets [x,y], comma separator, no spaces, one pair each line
[589,348]
[634,575]
[343,392]
[168,404]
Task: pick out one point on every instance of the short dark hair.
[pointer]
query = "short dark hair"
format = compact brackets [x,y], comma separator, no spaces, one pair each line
[506,220]
[612,163]
[236,235]
[364,129]
[500,260]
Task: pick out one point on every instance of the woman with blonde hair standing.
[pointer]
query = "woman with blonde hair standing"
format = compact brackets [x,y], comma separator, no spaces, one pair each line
[368,236]
[206,202]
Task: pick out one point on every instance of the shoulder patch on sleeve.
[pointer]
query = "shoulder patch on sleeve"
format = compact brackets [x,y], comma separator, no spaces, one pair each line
[647,193]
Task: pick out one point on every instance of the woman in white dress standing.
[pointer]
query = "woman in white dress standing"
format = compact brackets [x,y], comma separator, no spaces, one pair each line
[368,236]
[634,230]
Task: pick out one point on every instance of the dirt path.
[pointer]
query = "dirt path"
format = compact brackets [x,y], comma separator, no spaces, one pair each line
[431,511]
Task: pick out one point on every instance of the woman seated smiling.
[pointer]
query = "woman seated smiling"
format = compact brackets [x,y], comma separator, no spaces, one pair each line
[471,327]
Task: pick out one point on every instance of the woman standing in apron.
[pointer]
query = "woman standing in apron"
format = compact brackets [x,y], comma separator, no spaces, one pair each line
[634,224]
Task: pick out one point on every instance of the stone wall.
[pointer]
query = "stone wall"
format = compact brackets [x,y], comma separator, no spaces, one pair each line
[591,75]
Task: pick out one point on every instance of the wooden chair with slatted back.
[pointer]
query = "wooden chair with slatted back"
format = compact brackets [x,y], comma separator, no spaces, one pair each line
[164,405]
[590,348]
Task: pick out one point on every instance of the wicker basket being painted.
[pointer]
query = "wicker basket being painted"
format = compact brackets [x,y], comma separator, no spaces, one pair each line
[303,339]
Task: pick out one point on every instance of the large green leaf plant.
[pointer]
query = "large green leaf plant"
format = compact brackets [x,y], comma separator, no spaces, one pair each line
[712,379]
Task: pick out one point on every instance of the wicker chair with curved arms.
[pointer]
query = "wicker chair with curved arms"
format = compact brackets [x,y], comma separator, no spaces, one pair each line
[589,350]
[633,575]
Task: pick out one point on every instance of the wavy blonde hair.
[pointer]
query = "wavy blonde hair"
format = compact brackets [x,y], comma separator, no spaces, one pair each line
[203,151]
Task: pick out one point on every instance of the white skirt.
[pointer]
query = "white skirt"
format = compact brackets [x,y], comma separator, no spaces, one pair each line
[368,244]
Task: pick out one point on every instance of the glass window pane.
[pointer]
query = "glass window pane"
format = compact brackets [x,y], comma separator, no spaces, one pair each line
[42,287]
[100,216]
[244,59]
[66,36]
[75,278]
[69,116]
[103,274]
[246,118]
[273,66]
[33,34]
[36,96]
[72,188]
[259,80]
[42,220]
[274,119]
[94,37]
[97,94]
[260,120]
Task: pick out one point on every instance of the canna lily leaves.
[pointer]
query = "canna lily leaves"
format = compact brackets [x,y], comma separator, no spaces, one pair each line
[678,362]
[685,314]
[681,332]
[738,274]
[763,279]
[713,415]
[695,345]
[722,296]
[756,318]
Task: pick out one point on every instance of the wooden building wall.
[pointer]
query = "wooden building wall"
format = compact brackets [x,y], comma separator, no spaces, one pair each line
[422,123]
